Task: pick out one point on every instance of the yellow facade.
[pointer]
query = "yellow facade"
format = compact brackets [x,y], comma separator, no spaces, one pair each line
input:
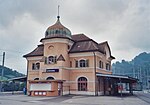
[66,69]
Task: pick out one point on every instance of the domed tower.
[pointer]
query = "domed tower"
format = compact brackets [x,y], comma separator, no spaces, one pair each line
[57,30]
[57,43]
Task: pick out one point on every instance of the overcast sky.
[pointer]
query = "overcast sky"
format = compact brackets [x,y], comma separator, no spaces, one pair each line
[125,24]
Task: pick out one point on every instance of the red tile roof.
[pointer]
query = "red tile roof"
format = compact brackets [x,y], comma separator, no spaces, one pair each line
[82,44]
[36,52]
[80,37]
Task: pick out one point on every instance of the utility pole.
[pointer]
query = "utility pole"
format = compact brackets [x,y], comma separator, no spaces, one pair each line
[2,73]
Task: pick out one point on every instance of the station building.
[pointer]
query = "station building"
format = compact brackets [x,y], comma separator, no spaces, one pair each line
[70,64]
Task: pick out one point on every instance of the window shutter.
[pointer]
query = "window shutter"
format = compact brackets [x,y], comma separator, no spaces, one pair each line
[33,66]
[87,63]
[55,59]
[46,61]
[76,63]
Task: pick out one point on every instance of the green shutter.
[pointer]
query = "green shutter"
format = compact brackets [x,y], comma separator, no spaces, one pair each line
[33,66]
[55,59]
[45,60]
[76,63]
[87,63]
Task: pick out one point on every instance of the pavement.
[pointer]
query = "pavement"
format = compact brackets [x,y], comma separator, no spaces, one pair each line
[18,99]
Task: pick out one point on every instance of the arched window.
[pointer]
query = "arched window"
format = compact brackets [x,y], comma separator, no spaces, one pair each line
[36,66]
[107,66]
[56,32]
[82,84]
[82,63]
[49,78]
[52,59]
[100,64]
[36,78]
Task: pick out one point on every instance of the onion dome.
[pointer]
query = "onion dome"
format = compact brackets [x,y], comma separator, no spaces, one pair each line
[58,30]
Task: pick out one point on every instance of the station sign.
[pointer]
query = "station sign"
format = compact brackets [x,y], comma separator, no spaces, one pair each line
[52,70]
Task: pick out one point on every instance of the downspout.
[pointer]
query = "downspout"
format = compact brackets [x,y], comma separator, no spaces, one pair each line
[27,77]
[95,73]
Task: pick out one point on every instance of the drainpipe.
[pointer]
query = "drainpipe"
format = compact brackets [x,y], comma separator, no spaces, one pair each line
[27,84]
[95,73]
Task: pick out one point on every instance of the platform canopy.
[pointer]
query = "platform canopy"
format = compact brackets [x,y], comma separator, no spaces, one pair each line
[122,78]
[21,79]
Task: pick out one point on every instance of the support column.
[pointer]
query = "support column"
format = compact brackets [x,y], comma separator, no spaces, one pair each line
[104,85]
[130,88]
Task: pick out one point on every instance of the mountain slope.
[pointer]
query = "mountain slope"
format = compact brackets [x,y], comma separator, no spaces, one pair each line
[9,73]
[139,67]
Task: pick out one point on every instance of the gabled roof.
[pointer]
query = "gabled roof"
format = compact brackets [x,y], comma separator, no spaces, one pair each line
[82,43]
[84,46]
[80,37]
[36,52]
[101,47]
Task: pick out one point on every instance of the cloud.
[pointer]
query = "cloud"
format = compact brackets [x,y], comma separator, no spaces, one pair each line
[124,23]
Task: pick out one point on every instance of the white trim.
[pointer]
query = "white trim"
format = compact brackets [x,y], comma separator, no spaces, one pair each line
[51,55]
[79,68]
[35,58]
[82,76]
[85,54]
[115,76]
[77,81]
[81,59]
[85,68]
[35,78]
[57,40]
[37,62]
[50,76]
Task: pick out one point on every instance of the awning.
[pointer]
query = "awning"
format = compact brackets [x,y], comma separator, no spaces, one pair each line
[118,77]
[23,78]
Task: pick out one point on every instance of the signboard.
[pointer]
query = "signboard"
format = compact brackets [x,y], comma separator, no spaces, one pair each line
[52,70]
[40,86]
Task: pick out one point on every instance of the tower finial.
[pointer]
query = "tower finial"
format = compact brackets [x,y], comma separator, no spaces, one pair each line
[58,12]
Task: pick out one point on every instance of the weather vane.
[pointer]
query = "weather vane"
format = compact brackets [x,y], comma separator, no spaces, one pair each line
[58,12]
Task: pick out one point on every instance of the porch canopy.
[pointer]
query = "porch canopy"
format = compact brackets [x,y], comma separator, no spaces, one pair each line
[118,78]
[21,79]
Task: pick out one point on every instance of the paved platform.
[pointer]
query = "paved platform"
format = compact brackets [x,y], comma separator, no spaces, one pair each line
[71,100]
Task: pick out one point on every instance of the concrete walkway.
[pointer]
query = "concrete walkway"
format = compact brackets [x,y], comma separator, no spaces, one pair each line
[71,100]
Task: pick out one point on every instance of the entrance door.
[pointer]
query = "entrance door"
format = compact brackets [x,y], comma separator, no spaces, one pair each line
[82,84]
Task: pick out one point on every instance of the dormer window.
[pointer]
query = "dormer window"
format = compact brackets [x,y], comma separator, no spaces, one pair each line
[82,63]
[36,66]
